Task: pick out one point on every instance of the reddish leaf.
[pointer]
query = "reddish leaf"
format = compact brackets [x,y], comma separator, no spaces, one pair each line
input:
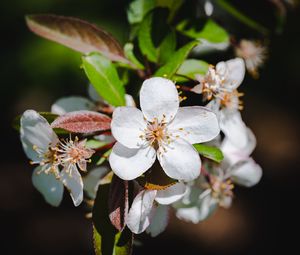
[82,122]
[76,34]
[118,202]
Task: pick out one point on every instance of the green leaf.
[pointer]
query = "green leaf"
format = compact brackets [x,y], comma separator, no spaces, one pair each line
[210,152]
[138,9]
[241,17]
[104,77]
[76,34]
[211,32]
[104,157]
[170,68]
[167,48]
[128,49]
[95,144]
[145,40]
[190,68]
[107,240]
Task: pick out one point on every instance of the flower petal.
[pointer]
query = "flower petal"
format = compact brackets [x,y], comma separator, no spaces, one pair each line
[159,99]
[138,216]
[70,104]
[235,72]
[91,181]
[51,188]
[195,124]
[94,95]
[200,212]
[171,194]
[180,160]
[127,126]
[159,218]
[72,180]
[129,100]
[128,163]
[246,173]
[36,131]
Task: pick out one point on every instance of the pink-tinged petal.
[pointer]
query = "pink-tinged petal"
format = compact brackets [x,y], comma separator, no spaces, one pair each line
[71,104]
[195,124]
[128,125]
[82,122]
[171,194]
[36,132]
[128,163]
[180,160]
[159,99]
[246,173]
[138,216]
[72,180]
[159,219]
[48,185]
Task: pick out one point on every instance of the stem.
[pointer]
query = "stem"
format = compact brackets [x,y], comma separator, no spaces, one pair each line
[242,17]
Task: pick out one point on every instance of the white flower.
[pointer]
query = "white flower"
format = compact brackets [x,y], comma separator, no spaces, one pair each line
[149,210]
[225,78]
[43,147]
[253,53]
[162,129]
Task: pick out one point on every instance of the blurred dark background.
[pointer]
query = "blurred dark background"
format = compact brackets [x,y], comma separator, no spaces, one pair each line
[35,72]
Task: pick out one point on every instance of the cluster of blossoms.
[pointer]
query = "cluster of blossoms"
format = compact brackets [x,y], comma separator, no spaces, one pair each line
[133,162]
[160,132]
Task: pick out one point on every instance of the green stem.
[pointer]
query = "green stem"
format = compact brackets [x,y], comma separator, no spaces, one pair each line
[242,17]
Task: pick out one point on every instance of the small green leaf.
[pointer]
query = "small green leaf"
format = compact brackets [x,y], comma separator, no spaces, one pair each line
[172,5]
[170,68]
[145,40]
[210,152]
[138,9]
[104,157]
[97,241]
[211,32]
[128,49]
[190,68]
[104,77]
[167,48]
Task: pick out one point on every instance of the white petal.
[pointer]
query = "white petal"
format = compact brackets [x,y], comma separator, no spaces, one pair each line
[195,124]
[159,98]
[171,194]
[159,219]
[129,100]
[202,211]
[73,182]
[70,104]
[235,72]
[138,216]
[128,125]
[51,188]
[208,8]
[180,161]
[197,89]
[246,173]
[36,131]
[91,181]
[128,163]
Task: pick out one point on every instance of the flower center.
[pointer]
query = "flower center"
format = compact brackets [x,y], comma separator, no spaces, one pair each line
[74,152]
[221,188]
[212,84]
[231,100]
